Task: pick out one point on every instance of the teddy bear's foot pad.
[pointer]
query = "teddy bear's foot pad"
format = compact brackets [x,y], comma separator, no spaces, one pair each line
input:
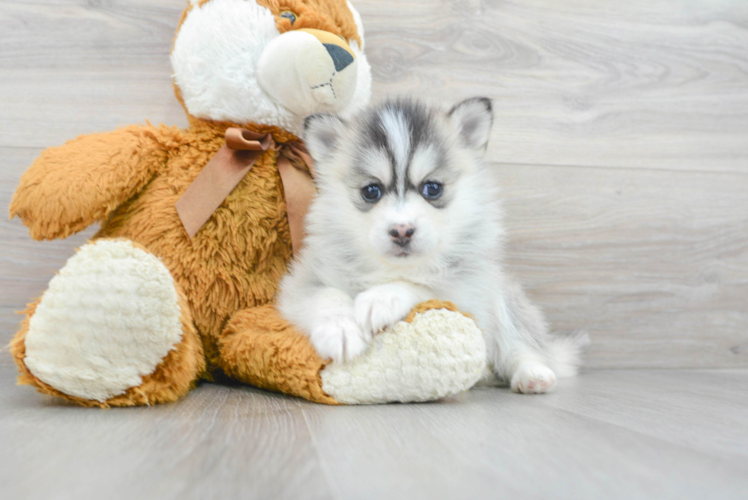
[107,319]
[437,354]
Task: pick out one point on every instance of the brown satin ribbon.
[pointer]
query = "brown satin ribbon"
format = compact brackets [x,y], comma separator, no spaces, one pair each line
[229,166]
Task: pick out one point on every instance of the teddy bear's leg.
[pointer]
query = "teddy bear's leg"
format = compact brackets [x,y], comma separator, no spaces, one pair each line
[112,329]
[435,352]
[262,349]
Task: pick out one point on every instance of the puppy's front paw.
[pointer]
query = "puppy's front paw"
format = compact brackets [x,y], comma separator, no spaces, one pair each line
[382,306]
[339,338]
[533,378]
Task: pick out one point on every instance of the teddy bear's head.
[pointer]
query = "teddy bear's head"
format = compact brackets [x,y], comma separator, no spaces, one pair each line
[270,62]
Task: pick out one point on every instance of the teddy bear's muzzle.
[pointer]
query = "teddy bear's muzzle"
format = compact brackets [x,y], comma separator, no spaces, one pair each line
[308,71]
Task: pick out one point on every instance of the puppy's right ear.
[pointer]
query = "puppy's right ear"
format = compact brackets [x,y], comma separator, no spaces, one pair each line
[322,134]
[473,119]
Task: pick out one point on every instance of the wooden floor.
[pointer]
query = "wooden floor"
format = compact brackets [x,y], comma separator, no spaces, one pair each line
[621,136]
[641,434]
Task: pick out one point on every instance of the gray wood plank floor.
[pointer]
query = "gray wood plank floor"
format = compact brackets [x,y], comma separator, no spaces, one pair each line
[608,434]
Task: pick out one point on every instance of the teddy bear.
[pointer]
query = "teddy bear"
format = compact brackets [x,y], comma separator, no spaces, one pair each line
[198,225]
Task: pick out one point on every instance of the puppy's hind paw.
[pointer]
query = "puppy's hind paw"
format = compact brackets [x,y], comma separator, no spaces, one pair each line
[533,378]
[339,338]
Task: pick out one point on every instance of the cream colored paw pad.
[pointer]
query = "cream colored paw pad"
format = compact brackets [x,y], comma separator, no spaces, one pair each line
[107,319]
[438,354]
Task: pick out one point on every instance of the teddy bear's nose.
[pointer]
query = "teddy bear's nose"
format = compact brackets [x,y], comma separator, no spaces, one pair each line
[341,57]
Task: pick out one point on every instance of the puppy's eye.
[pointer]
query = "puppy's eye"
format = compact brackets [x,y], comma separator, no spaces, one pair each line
[287,14]
[372,193]
[431,190]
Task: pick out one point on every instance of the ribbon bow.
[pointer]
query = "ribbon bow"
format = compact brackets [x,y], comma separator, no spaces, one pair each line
[229,166]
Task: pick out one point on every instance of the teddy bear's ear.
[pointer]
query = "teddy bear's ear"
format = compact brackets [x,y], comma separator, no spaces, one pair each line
[473,119]
[322,134]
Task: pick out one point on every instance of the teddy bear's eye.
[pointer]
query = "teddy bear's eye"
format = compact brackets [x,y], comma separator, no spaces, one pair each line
[287,14]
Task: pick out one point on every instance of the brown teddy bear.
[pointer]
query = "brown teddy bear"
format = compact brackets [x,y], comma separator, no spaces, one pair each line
[198,226]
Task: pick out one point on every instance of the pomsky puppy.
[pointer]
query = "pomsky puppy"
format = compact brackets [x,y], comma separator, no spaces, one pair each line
[407,211]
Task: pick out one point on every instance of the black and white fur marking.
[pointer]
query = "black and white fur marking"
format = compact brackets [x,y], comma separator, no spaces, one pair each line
[407,211]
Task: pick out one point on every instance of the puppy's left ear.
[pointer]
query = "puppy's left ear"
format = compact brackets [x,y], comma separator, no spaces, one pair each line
[473,119]
[322,134]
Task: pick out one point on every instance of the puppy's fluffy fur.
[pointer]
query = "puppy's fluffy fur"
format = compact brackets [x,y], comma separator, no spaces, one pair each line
[407,211]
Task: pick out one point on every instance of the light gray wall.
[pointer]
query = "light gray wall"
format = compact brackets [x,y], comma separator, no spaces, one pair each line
[621,134]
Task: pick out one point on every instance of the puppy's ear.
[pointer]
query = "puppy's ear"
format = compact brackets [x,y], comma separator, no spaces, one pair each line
[473,119]
[322,134]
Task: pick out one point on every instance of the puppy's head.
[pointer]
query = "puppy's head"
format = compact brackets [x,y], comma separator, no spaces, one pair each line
[402,182]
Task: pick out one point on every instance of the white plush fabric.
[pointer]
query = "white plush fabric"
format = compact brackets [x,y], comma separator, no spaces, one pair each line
[107,319]
[215,57]
[215,60]
[438,354]
[306,81]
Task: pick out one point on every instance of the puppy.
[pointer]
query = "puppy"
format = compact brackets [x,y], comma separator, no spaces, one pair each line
[407,211]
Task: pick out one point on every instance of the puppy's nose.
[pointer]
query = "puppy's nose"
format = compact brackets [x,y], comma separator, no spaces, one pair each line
[340,57]
[401,233]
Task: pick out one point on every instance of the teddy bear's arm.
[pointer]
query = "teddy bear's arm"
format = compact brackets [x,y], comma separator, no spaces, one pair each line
[72,186]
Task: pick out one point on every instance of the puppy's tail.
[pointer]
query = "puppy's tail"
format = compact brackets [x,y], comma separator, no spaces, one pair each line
[566,352]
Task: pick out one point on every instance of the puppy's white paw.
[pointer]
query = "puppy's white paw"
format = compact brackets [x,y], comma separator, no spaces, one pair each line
[339,338]
[533,378]
[382,306]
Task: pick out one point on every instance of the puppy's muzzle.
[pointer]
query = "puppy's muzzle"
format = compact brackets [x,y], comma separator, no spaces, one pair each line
[401,234]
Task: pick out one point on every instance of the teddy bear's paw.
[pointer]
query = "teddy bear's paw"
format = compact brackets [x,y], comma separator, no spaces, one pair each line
[107,319]
[437,354]
[533,378]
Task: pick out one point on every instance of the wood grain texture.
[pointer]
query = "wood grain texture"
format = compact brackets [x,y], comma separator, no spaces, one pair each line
[609,434]
[654,84]
[76,67]
[657,84]
[620,140]
[221,442]
[652,263]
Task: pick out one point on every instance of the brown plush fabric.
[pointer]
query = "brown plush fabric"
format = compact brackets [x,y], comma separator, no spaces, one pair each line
[236,259]
[69,188]
[261,348]
[433,304]
[328,15]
